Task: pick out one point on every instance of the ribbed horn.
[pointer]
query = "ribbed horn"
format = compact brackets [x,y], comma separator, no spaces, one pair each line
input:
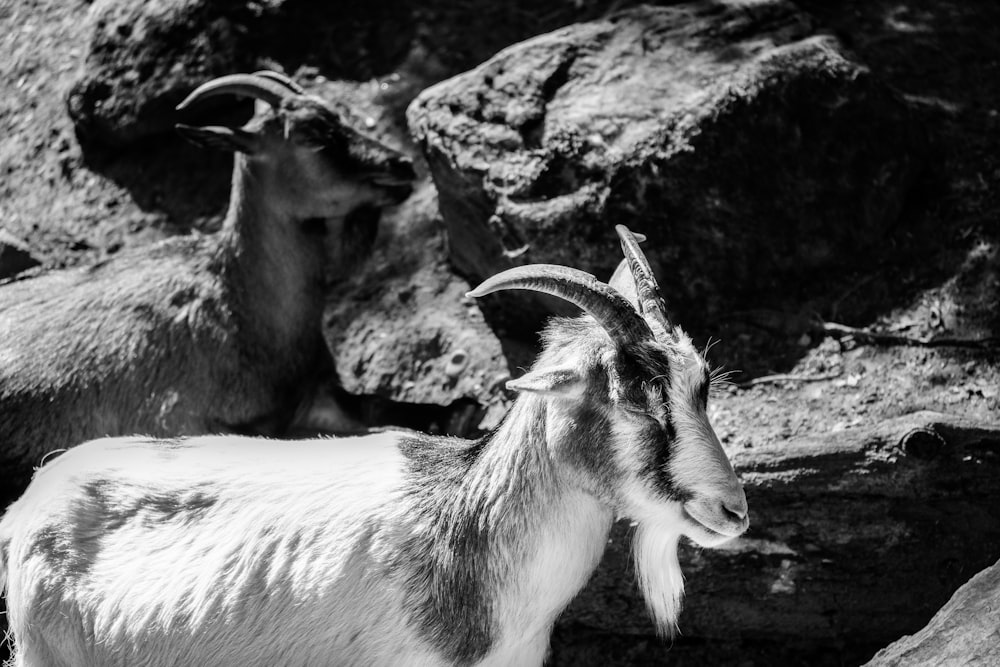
[651,303]
[282,79]
[600,301]
[623,282]
[247,85]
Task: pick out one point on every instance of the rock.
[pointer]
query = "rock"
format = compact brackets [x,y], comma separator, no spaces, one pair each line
[855,539]
[965,632]
[143,58]
[15,256]
[401,328]
[750,151]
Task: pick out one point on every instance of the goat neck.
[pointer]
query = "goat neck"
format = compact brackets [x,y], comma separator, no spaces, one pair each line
[279,257]
[503,540]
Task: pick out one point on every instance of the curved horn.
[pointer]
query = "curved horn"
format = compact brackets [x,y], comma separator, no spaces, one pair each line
[600,301]
[247,85]
[282,79]
[650,300]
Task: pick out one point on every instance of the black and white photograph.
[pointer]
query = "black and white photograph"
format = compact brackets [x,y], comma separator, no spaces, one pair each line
[482,333]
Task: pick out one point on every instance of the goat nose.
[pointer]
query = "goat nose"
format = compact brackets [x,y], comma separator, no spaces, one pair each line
[737,513]
[737,506]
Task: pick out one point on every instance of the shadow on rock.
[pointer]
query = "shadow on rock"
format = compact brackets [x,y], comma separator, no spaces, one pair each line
[167,174]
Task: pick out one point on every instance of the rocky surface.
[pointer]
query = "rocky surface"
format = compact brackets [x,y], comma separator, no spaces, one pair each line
[403,330]
[143,58]
[752,151]
[965,632]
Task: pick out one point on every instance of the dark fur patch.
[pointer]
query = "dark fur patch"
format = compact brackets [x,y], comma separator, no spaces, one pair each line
[589,448]
[104,506]
[445,459]
[447,575]
[63,553]
[474,501]
[649,366]
[646,375]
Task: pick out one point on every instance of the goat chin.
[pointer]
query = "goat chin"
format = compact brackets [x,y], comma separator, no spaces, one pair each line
[658,570]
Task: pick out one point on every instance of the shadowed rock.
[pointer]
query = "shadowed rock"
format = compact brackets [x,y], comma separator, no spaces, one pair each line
[15,256]
[413,336]
[144,57]
[750,151]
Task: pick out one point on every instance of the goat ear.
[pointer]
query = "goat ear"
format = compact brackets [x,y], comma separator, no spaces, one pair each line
[565,382]
[221,138]
[623,283]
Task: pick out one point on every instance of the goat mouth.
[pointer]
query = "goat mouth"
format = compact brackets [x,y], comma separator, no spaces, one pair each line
[712,531]
[701,526]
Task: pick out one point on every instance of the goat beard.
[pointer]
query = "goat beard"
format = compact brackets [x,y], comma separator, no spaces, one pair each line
[654,547]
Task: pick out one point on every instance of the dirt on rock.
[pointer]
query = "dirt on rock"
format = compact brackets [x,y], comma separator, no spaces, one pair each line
[916,329]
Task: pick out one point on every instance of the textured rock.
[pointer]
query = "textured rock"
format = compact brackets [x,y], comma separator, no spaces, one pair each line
[402,329]
[14,256]
[749,150]
[965,632]
[144,57]
[855,539]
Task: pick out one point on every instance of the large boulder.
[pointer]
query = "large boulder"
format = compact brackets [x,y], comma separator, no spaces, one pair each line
[753,153]
[144,57]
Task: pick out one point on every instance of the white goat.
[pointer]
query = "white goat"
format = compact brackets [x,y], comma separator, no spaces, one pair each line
[388,549]
[197,334]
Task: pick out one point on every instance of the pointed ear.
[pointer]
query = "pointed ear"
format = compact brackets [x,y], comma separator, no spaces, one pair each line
[220,138]
[623,283]
[260,107]
[563,382]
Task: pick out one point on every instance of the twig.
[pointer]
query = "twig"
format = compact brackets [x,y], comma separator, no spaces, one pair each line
[785,377]
[879,338]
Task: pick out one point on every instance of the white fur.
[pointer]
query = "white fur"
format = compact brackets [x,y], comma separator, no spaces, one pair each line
[658,570]
[570,545]
[245,584]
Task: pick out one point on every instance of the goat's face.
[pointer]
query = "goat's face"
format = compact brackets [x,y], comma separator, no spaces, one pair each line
[628,423]
[626,415]
[305,158]
[325,167]
[632,422]
[673,463]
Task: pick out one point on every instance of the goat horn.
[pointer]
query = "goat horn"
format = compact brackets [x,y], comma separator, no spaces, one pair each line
[247,85]
[611,310]
[282,79]
[649,299]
